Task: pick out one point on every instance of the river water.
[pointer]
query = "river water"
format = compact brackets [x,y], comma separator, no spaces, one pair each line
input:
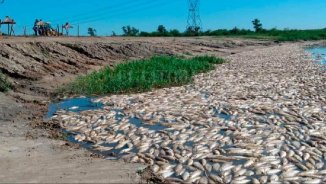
[318,53]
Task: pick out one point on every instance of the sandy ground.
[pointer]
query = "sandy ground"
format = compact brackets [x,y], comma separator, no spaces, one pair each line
[27,155]
[46,161]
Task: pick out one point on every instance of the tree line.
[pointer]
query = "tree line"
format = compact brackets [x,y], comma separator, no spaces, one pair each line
[191,31]
[257,32]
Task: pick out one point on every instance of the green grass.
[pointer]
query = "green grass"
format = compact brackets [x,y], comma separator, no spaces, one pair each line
[142,75]
[282,35]
[305,35]
[4,83]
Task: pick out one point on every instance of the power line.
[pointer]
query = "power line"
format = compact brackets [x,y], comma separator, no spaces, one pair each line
[102,13]
[133,9]
[113,10]
[194,21]
[95,11]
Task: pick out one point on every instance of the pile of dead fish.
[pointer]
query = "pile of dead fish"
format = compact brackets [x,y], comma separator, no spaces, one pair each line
[261,118]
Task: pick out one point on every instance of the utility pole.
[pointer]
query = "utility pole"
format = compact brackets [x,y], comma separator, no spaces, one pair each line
[194,21]
[1,2]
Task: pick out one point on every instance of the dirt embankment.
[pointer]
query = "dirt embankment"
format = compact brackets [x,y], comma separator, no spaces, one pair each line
[37,66]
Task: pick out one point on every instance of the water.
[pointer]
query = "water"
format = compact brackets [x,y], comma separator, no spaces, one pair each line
[222,115]
[139,123]
[318,53]
[74,105]
[84,104]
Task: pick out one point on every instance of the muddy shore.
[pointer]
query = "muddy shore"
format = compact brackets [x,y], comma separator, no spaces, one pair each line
[38,67]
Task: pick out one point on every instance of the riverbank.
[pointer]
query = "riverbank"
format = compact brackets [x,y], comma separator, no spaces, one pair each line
[37,66]
[262,120]
[21,143]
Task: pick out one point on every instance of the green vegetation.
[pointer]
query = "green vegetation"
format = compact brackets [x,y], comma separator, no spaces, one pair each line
[257,25]
[296,35]
[130,31]
[142,75]
[4,83]
[259,33]
[273,34]
[91,31]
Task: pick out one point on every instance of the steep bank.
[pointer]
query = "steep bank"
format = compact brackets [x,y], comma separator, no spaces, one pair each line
[33,63]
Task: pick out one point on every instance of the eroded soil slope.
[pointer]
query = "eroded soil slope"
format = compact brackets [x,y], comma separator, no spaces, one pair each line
[32,63]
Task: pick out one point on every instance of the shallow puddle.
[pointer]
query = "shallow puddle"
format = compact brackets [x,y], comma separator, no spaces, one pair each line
[73,105]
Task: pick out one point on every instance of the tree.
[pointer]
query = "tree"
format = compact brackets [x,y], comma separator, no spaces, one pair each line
[91,31]
[113,34]
[258,26]
[193,31]
[161,29]
[175,32]
[235,30]
[130,31]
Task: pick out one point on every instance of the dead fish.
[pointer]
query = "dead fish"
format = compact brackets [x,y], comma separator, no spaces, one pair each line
[240,172]
[273,171]
[198,166]
[185,176]
[263,179]
[155,168]
[295,178]
[179,169]
[241,181]
[166,173]
[195,174]
[227,166]
[216,167]
[80,138]
[215,178]
[203,180]
[283,154]
[255,181]
[249,163]
[313,181]
[208,167]
[308,173]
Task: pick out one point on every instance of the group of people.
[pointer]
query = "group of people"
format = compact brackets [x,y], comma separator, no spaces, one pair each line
[42,28]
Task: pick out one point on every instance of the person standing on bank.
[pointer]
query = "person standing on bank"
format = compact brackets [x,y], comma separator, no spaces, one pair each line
[35,27]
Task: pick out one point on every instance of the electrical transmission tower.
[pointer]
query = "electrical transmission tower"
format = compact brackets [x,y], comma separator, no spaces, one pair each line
[194,21]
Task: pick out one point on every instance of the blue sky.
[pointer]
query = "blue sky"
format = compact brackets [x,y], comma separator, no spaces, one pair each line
[110,15]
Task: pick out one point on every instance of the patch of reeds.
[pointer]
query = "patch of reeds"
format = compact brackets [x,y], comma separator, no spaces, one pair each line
[142,75]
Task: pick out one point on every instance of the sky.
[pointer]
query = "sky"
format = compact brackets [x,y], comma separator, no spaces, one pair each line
[110,15]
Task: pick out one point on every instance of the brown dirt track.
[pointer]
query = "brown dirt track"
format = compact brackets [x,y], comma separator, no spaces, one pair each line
[38,66]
